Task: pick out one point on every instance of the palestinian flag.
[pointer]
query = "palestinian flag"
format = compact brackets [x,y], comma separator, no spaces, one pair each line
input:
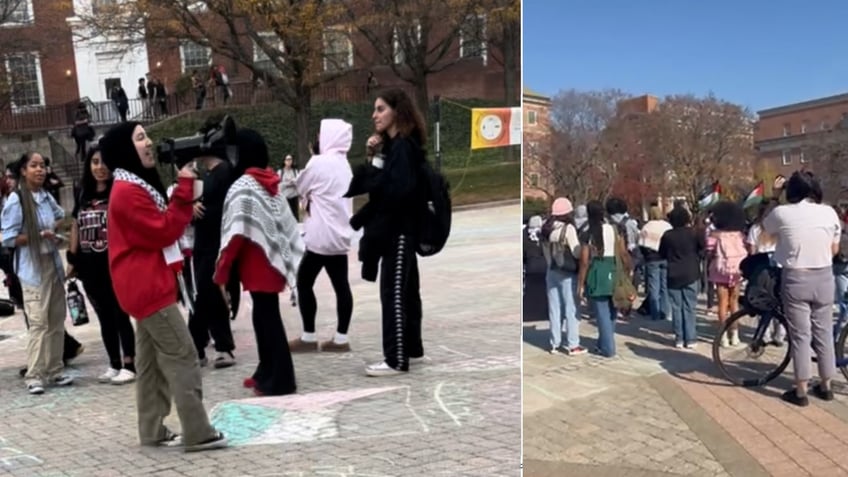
[755,197]
[709,196]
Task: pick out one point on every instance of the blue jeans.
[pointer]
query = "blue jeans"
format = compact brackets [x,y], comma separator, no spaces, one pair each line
[656,287]
[562,288]
[605,314]
[683,319]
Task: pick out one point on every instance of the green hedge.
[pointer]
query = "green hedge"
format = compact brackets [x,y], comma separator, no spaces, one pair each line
[276,123]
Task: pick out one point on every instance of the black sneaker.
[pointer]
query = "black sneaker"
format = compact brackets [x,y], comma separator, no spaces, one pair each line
[792,398]
[822,393]
[217,442]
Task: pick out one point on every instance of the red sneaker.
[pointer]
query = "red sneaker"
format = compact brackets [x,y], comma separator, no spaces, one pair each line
[249,383]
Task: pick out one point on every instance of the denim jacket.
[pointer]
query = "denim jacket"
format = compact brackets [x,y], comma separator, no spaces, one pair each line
[12,219]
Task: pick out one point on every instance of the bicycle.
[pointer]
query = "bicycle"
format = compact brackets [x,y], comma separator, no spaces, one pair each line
[756,346]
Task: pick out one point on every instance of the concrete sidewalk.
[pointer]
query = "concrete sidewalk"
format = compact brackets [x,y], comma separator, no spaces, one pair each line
[658,411]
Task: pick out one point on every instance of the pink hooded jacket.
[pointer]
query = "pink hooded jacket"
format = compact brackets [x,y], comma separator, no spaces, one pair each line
[323,183]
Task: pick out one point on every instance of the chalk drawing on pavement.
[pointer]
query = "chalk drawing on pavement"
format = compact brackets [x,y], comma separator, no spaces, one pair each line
[489,363]
[298,418]
[13,458]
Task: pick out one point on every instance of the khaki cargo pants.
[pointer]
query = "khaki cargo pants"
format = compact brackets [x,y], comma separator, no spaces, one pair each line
[167,368]
[45,310]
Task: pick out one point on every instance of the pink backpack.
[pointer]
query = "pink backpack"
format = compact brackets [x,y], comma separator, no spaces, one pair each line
[729,253]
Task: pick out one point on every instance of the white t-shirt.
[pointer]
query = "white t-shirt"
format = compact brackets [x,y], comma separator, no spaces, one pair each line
[805,234]
[753,239]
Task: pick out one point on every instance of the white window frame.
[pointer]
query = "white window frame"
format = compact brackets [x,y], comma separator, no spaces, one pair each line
[29,20]
[329,67]
[183,67]
[398,53]
[802,157]
[40,80]
[786,157]
[824,125]
[803,127]
[259,56]
[484,49]
[787,130]
[531,118]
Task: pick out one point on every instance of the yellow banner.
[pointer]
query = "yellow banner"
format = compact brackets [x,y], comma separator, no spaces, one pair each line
[495,127]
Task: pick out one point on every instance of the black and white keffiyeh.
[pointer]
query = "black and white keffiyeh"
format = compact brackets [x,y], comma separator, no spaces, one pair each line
[127,176]
[171,253]
[266,220]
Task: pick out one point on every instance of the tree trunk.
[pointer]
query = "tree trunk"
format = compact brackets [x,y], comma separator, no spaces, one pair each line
[302,115]
[510,35]
[422,97]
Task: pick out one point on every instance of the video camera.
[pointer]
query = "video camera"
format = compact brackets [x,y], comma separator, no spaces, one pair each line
[214,136]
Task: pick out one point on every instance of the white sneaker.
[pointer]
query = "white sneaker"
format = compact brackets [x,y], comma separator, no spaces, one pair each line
[725,343]
[381,369]
[108,375]
[124,376]
[734,338]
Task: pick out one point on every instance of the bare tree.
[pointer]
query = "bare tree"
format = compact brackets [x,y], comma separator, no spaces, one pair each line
[827,154]
[293,35]
[504,34]
[698,141]
[418,38]
[580,166]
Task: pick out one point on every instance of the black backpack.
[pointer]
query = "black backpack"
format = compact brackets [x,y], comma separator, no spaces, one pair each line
[435,211]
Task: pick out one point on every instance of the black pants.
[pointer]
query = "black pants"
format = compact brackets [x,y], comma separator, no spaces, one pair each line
[336,266]
[80,152]
[234,289]
[115,327]
[275,373]
[16,293]
[210,310]
[401,303]
[163,106]
[294,205]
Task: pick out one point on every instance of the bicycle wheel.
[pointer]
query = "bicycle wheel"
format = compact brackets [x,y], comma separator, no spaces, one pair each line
[754,362]
[841,358]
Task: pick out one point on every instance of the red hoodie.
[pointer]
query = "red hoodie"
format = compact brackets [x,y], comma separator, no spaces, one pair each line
[255,271]
[137,232]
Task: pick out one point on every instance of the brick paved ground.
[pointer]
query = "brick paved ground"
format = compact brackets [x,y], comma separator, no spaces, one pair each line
[458,413]
[657,411]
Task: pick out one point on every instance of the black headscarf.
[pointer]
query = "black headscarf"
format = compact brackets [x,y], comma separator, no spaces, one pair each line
[252,151]
[118,151]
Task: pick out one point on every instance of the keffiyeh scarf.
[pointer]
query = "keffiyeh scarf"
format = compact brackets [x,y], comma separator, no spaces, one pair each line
[266,220]
[173,256]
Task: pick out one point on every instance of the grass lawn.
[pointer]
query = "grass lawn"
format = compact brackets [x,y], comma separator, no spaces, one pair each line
[484,183]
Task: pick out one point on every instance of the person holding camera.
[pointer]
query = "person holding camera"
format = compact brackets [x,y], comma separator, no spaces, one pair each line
[211,315]
[143,233]
[29,220]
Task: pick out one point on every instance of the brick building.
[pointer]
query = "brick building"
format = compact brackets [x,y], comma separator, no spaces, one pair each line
[537,145]
[38,51]
[52,69]
[785,135]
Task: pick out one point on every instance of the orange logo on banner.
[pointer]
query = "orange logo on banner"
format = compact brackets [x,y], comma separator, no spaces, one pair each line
[495,127]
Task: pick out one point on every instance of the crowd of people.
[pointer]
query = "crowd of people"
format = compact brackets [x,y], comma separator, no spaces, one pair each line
[598,254]
[224,226]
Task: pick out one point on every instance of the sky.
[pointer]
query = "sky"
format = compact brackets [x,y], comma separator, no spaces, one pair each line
[757,53]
